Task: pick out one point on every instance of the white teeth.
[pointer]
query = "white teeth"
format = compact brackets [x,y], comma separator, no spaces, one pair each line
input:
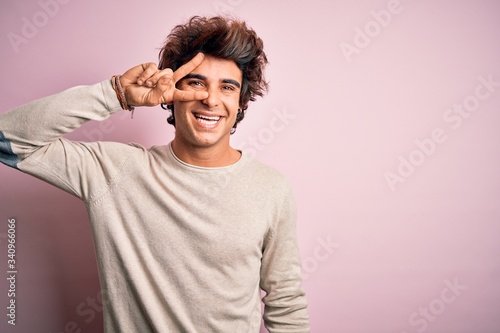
[207,118]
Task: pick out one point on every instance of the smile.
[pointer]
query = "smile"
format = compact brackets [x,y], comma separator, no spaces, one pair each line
[207,120]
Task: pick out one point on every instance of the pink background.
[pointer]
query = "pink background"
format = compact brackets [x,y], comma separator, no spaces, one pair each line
[398,194]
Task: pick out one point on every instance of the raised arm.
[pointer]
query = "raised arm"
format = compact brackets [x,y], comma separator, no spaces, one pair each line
[31,135]
[37,124]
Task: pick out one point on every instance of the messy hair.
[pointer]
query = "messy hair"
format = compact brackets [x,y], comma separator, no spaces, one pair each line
[224,38]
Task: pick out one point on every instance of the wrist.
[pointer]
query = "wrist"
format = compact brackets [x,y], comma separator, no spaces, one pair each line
[120,94]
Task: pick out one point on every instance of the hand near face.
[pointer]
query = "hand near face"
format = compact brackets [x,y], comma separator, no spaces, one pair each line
[146,85]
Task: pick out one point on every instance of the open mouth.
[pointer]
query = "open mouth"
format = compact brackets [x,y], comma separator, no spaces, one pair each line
[207,120]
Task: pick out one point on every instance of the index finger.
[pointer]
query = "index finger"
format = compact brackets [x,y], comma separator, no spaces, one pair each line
[188,67]
[186,96]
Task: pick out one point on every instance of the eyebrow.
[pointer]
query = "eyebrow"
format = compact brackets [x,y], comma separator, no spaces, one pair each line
[204,78]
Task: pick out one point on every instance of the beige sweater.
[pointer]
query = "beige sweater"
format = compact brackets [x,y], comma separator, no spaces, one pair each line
[179,248]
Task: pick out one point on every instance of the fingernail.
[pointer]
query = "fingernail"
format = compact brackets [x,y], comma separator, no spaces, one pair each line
[139,82]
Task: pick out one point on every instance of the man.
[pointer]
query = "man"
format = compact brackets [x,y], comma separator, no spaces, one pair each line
[186,234]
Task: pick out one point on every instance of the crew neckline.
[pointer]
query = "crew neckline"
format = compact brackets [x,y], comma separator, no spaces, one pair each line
[197,167]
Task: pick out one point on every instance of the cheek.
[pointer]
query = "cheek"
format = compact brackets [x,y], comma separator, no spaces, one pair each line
[233,112]
[233,105]
[181,107]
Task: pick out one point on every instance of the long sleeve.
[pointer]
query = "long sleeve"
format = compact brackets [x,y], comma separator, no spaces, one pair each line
[31,137]
[285,304]
[167,259]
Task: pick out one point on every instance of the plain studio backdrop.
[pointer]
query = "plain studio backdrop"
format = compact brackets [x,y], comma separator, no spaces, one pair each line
[384,115]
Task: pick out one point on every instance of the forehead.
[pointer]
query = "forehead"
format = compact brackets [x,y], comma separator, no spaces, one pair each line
[217,68]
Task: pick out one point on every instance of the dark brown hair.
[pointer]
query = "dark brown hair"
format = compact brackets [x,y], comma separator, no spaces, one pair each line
[224,38]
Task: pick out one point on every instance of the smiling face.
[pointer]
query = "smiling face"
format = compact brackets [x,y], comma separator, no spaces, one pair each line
[206,125]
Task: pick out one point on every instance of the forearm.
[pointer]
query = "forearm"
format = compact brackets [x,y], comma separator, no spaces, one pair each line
[27,128]
[285,302]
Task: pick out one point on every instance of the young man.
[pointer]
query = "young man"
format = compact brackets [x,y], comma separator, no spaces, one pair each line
[186,234]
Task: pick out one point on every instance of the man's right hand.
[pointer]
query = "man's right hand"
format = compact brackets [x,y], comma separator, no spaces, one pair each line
[146,85]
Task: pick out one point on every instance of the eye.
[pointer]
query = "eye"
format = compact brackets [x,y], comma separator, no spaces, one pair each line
[228,88]
[195,83]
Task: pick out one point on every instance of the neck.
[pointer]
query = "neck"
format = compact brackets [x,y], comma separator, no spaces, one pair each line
[209,157]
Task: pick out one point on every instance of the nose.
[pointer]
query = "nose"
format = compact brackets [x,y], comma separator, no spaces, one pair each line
[213,99]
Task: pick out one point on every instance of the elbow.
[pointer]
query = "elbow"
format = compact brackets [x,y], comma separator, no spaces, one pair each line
[7,156]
